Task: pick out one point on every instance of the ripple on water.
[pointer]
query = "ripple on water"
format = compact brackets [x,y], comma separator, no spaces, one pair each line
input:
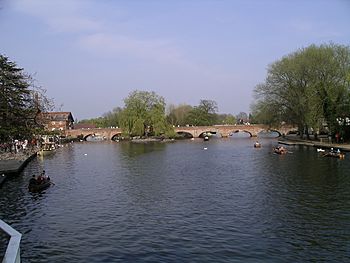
[177,202]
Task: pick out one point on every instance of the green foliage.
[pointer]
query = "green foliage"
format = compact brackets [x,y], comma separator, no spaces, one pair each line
[308,88]
[227,119]
[204,114]
[144,114]
[112,118]
[98,122]
[20,102]
[178,115]
[109,119]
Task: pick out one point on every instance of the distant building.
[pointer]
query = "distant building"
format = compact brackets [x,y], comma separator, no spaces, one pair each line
[57,121]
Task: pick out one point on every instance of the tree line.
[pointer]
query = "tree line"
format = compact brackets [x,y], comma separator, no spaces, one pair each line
[309,88]
[145,113]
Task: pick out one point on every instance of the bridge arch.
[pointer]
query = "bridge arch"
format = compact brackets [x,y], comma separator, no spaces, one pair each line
[269,131]
[204,133]
[115,136]
[237,131]
[85,136]
[185,134]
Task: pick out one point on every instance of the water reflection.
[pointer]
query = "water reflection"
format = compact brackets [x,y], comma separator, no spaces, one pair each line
[268,134]
[240,134]
[135,149]
[176,202]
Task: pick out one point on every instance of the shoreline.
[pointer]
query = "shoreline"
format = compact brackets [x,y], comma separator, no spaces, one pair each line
[304,142]
[10,166]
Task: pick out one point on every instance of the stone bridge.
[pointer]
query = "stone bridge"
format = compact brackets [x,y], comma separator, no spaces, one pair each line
[108,133]
[192,131]
[228,130]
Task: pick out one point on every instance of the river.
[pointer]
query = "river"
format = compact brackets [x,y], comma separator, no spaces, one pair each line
[188,201]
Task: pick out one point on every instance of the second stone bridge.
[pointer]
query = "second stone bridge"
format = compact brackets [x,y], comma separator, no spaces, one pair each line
[228,130]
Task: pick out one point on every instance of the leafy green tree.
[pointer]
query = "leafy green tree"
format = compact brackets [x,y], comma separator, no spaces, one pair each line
[306,88]
[329,84]
[112,118]
[266,113]
[20,102]
[226,119]
[144,114]
[99,122]
[177,115]
[204,114]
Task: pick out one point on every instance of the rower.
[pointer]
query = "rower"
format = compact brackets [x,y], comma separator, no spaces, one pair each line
[33,180]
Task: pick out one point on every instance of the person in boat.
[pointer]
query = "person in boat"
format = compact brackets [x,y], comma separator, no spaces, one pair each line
[44,175]
[283,150]
[40,179]
[280,150]
[33,180]
[257,144]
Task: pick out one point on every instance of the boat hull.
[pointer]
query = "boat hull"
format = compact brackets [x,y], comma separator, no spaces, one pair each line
[35,188]
[335,155]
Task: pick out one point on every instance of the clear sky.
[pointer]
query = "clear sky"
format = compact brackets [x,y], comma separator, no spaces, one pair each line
[90,54]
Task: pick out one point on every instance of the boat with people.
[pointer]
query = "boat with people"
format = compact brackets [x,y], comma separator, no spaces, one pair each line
[35,188]
[280,150]
[40,183]
[257,144]
[335,154]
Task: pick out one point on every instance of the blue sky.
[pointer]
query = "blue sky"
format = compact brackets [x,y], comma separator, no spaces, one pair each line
[90,54]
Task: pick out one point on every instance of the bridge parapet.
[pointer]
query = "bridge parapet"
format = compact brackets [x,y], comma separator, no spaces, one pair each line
[223,130]
[105,132]
[195,131]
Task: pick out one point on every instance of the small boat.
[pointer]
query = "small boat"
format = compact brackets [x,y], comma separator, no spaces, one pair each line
[257,145]
[335,155]
[280,150]
[320,150]
[206,138]
[35,188]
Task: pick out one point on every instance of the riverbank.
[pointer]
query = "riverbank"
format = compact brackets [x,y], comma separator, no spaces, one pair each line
[13,163]
[151,139]
[297,141]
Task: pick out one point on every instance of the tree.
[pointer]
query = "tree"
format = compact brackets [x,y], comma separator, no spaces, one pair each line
[144,114]
[330,84]
[204,114]
[20,102]
[112,118]
[306,88]
[266,113]
[177,115]
[242,117]
[226,119]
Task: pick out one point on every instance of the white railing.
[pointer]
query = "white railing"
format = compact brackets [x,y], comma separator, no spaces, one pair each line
[12,254]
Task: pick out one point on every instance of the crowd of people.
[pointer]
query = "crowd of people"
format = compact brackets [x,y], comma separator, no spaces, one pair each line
[17,146]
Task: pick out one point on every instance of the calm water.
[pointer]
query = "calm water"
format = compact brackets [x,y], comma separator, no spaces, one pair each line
[177,202]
